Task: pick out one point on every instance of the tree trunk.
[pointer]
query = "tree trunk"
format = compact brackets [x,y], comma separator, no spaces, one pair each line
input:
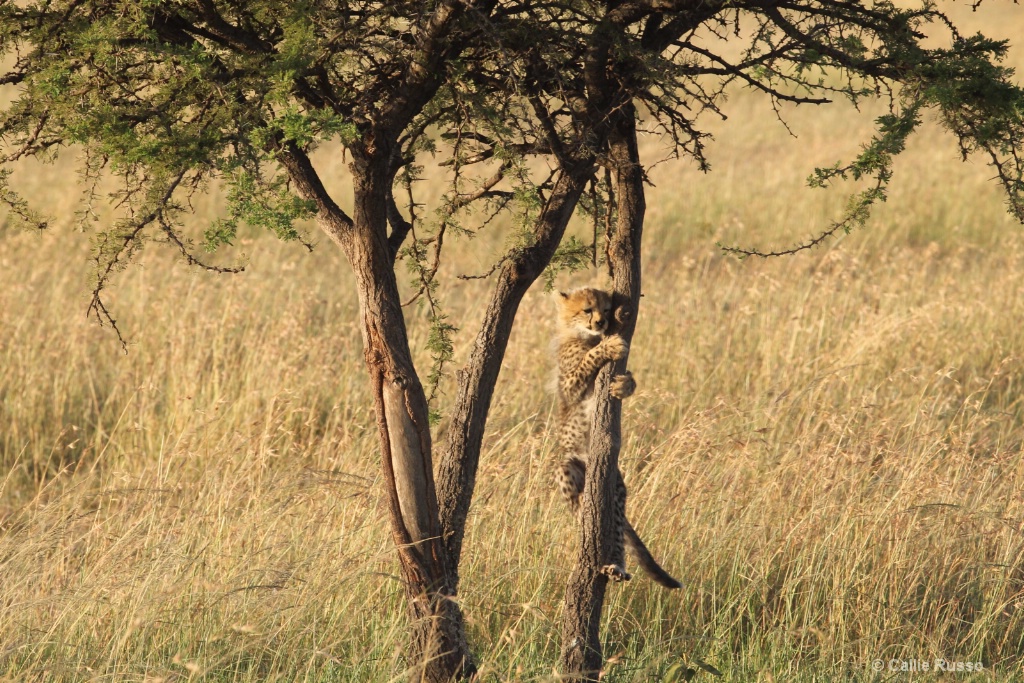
[437,651]
[457,472]
[582,657]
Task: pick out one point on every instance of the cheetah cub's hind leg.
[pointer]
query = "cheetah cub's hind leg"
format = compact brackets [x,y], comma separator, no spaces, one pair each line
[616,571]
[570,477]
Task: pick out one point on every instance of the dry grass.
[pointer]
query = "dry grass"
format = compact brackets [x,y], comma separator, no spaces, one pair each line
[826,449]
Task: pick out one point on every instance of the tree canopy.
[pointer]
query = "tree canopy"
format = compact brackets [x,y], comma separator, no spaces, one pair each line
[170,95]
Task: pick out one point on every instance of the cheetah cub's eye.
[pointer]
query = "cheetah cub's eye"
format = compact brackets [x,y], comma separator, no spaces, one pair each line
[588,311]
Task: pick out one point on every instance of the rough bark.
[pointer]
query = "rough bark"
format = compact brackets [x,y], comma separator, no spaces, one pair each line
[582,656]
[457,471]
[437,650]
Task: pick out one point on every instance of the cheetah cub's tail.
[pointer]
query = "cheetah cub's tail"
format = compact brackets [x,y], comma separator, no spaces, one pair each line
[646,560]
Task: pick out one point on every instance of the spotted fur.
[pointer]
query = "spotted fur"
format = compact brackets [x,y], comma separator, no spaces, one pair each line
[586,343]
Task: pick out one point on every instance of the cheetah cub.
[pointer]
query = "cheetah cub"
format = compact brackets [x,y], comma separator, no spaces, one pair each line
[586,342]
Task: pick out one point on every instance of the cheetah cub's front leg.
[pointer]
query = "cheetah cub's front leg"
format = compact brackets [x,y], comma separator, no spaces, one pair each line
[614,348]
[623,385]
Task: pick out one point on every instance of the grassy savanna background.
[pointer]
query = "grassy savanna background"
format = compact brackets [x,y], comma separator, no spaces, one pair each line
[826,449]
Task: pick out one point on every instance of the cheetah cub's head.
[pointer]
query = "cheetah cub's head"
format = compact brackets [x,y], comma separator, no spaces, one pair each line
[586,311]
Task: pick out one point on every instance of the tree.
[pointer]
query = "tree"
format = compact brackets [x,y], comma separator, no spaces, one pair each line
[171,95]
[168,96]
[676,60]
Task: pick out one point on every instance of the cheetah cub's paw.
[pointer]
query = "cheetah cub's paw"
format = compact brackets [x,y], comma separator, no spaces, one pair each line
[615,572]
[623,385]
[615,347]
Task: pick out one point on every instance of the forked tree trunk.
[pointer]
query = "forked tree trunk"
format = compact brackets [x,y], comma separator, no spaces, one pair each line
[437,651]
[458,467]
[582,657]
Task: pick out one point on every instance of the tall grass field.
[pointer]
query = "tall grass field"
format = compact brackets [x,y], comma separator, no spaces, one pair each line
[827,449]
